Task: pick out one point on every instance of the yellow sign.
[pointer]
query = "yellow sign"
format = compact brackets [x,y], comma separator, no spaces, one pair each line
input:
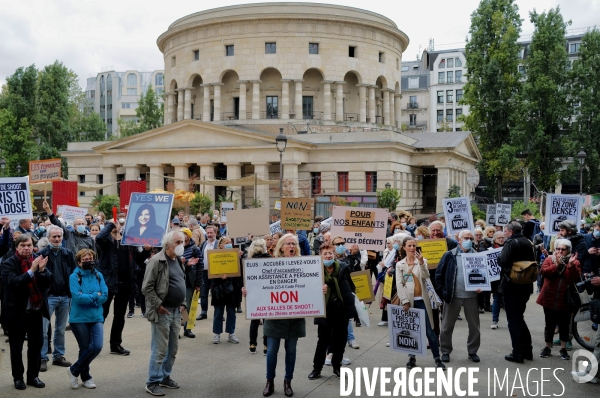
[433,250]
[223,262]
[362,283]
[193,309]
[297,213]
[388,286]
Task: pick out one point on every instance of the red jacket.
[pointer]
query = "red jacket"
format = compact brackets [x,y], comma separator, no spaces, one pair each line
[554,290]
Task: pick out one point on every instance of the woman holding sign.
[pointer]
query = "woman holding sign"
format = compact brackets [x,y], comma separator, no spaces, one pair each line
[412,275]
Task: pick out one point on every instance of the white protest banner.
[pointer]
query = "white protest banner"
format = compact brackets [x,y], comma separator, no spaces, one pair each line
[560,208]
[490,215]
[364,227]
[406,330]
[71,213]
[275,227]
[284,287]
[492,263]
[458,215]
[475,272]
[15,202]
[225,207]
[502,213]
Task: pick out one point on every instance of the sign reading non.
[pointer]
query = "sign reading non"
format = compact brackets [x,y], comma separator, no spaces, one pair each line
[15,202]
[560,208]
[502,213]
[225,207]
[407,330]
[475,272]
[458,215]
[284,287]
[490,215]
[45,170]
[433,250]
[147,218]
[364,227]
[297,213]
[494,269]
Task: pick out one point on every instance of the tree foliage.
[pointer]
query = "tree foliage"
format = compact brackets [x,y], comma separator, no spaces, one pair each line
[105,203]
[202,203]
[149,113]
[388,198]
[16,141]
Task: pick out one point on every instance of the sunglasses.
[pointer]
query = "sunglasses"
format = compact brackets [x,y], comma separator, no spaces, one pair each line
[339,243]
[560,249]
[469,238]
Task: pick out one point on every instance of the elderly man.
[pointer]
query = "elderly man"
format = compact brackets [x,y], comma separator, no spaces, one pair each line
[450,286]
[164,289]
[61,262]
[193,273]
[436,231]
[75,240]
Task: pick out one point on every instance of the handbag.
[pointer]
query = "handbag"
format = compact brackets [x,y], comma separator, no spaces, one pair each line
[573,299]
[524,272]
[361,311]
[222,291]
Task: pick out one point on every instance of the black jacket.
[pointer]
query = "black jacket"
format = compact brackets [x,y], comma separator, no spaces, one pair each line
[62,266]
[74,240]
[591,262]
[346,289]
[578,246]
[445,275]
[193,273]
[516,248]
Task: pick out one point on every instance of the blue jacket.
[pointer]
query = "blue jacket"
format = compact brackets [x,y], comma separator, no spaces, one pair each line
[303,242]
[86,305]
[445,275]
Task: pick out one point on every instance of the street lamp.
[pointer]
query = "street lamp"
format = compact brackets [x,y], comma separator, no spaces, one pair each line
[388,185]
[581,156]
[19,170]
[281,143]
[2,165]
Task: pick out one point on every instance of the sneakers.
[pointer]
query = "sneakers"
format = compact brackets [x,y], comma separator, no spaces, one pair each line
[494,325]
[119,350]
[346,361]
[201,317]
[265,350]
[43,365]
[89,384]
[143,314]
[412,362]
[130,314]
[154,389]
[233,338]
[73,382]
[546,352]
[353,344]
[169,383]
[556,342]
[217,339]
[382,323]
[328,359]
[238,310]
[252,349]
[564,355]
[61,362]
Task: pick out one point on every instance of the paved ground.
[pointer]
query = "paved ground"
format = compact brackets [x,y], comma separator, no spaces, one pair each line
[227,370]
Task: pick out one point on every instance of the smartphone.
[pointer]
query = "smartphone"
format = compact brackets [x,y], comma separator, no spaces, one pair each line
[419,249]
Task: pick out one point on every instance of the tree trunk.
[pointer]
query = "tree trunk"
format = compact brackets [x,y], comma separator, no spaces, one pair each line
[498,189]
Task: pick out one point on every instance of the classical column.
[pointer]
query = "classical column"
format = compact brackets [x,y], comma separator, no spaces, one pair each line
[187,108]
[285,99]
[170,106]
[206,103]
[443,185]
[262,191]
[372,104]
[339,101]
[109,177]
[234,171]
[181,173]
[256,99]
[242,110]
[298,99]
[362,103]
[207,172]
[217,102]
[132,172]
[392,109]
[180,103]
[327,100]
[157,180]
[386,107]
[290,173]
[397,109]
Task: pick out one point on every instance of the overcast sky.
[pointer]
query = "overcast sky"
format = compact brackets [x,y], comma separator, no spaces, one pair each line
[90,35]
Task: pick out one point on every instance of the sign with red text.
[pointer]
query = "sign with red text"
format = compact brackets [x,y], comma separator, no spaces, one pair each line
[45,170]
[364,227]
[284,287]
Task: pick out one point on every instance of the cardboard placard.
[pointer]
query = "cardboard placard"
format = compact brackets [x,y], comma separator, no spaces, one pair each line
[502,213]
[147,219]
[71,213]
[275,227]
[490,215]
[45,170]
[15,201]
[297,213]
[433,250]
[475,272]
[223,262]
[560,208]
[458,215]
[365,227]
[248,222]
[494,269]
[407,330]
[225,207]
[284,287]
[388,286]
[364,286]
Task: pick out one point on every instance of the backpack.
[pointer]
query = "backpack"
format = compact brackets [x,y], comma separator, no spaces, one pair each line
[536,228]
[95,273]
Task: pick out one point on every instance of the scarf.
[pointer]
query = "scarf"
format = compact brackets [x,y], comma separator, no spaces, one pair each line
[329,278]
[35,297]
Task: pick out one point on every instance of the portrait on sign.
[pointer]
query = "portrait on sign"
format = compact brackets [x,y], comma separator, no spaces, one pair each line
[147,218]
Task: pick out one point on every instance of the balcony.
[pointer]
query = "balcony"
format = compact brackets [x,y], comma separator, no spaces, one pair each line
[412,105]
[417,126]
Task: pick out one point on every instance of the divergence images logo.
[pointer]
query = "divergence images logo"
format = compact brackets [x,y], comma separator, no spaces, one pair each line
[586,370]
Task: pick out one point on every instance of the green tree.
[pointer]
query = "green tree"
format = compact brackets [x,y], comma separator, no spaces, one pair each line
[202,203]
[519,206]
[16,141]
[105,204]
[586,94]
[454,191]
[53,106]
[20,93]
[544,110]
[492,55]
[89,127]
[149,113]
[388,198]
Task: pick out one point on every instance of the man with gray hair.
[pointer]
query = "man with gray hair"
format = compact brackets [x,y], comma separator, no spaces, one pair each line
[164,289]
[75,240]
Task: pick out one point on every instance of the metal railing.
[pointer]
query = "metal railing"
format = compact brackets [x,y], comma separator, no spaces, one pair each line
[351,117]
[417,125]
[270,115]
[412,105]
[230,116]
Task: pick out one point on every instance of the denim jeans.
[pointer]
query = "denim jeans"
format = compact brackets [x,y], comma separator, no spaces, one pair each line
[59,305]
[163,345]
[204,292]
[218,319]
[496,304]
[431,336]
[290,357]
[350,331]
[90,337]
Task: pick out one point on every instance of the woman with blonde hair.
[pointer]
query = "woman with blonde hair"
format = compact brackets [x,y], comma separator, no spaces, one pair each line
[422,232]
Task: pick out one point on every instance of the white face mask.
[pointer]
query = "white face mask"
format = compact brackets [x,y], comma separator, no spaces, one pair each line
[179,250]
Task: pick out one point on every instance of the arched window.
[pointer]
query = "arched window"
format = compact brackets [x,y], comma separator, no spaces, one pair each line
[132,80]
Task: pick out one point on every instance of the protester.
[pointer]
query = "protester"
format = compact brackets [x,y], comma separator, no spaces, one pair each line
[529,229]
[412,225]
[436,231]
[88,292]
[224,298]
[480,224]
[74,240]
[94,230]
[422,232]
[193,275]
[387,267]
[481,245]
[209,244]
[257,249]
[489,234]
[497,303]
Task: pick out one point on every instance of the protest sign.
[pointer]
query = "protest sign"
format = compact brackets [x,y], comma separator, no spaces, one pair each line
[15,201]
[433,250]
[147,219]
[458,215]
[490,215]
[407,330]
[363,285]
[223,262]
[248,222]
[239,241]
[492,263]
[193,310]
[297,213]
[364,227]
[560,208]
[71,213]
[502,213]
[45,170]
[277,205]
[275,227]
[225,207]
[388,286]
[475,272]
[284,287]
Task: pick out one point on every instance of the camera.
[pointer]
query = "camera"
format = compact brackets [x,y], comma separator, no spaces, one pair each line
[586,283]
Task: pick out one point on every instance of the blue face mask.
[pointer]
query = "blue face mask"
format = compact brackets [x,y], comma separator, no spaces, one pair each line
[396,246]
[419,237]
[396,231]
[341,249]
[315,230]
[467,244]
[81,229]
[42,228]
[229,246]
[404,224]
[328,263]
[596,233]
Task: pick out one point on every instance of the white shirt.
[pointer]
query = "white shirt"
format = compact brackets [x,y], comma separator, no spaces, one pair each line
[208,246]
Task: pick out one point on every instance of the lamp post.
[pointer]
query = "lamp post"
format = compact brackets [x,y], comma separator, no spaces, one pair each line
[2,165]
[19,170]
[388,185]
[581,157]
[281,143]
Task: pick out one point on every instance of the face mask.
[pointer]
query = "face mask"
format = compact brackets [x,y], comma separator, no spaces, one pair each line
[419,237]
[596,233]
[315,230]
[396,231]
[396,246]
[341,249]
[203,225]
[88,265]
[229,246]
[404,224]
[328,263]
[81,229]
[467,244]
[101,227]
[42,228]
[88,222]
[179,250]
[121,221]
[55,248]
